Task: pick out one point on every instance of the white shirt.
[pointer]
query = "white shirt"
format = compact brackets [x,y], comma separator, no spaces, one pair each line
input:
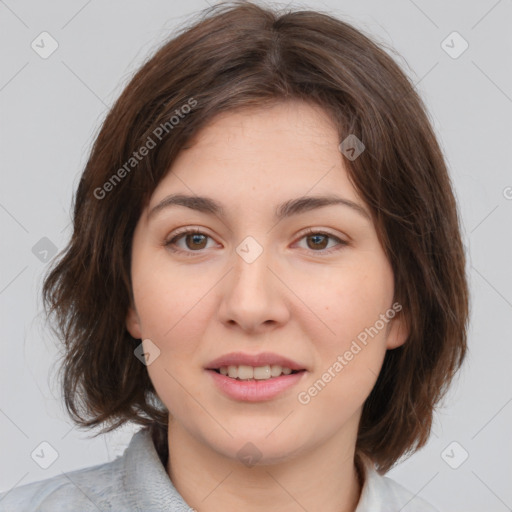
[138,481]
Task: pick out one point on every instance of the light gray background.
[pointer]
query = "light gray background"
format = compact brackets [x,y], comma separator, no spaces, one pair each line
[52,108]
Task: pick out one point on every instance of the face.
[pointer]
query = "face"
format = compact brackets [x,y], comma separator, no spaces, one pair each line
[311,285]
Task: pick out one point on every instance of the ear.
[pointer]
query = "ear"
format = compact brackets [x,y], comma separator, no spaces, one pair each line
[398,331]
[133,323]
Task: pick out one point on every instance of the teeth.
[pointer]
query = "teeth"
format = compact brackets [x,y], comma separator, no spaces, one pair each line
[261,372]
[244,372]
[241,372]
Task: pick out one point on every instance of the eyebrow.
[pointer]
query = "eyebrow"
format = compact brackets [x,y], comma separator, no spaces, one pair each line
[287,209]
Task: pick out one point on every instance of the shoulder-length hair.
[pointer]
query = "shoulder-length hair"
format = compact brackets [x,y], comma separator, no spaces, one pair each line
[240,55]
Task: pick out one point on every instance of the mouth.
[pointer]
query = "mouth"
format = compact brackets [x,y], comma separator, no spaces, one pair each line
[250,373]
[255,377]
[259,366]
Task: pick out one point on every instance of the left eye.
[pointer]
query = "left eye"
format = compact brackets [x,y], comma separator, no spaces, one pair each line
[319,240]
[195,241]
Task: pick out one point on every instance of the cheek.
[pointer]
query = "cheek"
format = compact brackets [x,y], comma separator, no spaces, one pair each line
[353,299]
[165,297]
[361,333]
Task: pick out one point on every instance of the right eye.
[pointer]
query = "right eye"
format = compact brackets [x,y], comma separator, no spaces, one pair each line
[194,241]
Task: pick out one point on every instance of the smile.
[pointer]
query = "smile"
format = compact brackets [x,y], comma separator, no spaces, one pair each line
[246,372]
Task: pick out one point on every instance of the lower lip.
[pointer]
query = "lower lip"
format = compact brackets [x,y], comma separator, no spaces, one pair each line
[255,390]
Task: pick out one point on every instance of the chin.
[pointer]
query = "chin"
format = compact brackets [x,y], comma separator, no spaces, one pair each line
[256,449]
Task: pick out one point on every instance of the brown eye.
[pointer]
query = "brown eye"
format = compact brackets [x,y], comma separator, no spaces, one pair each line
[194,240]
[319,241]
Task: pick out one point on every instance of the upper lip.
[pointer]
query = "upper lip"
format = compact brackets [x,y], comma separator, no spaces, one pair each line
[261,359]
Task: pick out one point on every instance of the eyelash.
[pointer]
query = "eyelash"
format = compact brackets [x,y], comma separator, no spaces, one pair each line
[186,231]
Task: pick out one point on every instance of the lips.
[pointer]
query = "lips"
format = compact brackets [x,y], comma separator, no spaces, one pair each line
[255,360]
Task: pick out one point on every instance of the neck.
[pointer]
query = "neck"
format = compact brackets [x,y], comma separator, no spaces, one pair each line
[323,478]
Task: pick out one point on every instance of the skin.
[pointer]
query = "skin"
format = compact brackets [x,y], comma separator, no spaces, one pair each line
[296,299]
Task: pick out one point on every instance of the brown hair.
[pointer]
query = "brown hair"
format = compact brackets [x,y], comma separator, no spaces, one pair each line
[241,55]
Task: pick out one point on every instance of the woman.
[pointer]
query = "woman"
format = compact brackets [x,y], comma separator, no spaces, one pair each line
[266,273]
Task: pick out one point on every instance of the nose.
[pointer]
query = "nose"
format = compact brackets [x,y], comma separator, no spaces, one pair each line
[254,295]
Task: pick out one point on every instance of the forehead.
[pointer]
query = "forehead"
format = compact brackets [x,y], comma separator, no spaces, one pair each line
[287,149]
[293,122]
